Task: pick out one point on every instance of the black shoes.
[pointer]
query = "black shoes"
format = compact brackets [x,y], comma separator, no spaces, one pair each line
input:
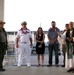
[63,66]
[2,70]
[70,70]
[40,65]
[49,65]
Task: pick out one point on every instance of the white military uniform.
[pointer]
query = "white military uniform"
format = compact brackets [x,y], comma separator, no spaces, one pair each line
[24,46]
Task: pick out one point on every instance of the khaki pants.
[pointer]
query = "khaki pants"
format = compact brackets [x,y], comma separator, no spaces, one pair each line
[64,50]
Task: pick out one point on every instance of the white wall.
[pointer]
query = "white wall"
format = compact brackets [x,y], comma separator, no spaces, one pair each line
[1,9]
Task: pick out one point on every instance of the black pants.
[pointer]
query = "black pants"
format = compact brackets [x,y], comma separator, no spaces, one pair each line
[55,48]
[2,53]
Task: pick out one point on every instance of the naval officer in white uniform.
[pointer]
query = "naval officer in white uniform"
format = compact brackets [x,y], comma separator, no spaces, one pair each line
[23,43]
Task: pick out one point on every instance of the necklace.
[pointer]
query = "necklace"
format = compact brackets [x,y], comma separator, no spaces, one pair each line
[24,32]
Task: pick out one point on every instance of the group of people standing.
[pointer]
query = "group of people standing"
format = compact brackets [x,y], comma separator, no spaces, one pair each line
[66,40]
[24,42]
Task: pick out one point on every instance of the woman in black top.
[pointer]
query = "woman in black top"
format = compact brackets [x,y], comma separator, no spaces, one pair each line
[40,46]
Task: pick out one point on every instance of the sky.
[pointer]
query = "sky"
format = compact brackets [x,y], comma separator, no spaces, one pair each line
[37,13]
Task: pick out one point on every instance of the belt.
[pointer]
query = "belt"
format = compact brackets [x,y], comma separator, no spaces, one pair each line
[24,42]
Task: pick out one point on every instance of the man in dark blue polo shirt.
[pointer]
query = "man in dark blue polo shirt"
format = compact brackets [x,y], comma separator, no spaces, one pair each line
[53,43]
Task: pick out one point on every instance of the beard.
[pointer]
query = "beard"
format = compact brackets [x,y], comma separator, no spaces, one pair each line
[53,26]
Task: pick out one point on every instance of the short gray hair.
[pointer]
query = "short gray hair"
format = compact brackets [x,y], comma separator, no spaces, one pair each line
[24,23]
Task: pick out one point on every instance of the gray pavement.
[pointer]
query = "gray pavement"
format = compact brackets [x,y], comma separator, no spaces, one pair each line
[33,70]
[12,69]
[34,60]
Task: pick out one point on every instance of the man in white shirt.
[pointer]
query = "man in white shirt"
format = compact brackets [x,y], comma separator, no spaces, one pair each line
[23,43]
[62,41]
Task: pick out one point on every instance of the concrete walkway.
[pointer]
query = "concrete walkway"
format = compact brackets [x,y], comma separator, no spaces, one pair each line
[12,69]
[33,70]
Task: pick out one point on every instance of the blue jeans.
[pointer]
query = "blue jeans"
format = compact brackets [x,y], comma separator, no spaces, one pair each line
[55,48]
